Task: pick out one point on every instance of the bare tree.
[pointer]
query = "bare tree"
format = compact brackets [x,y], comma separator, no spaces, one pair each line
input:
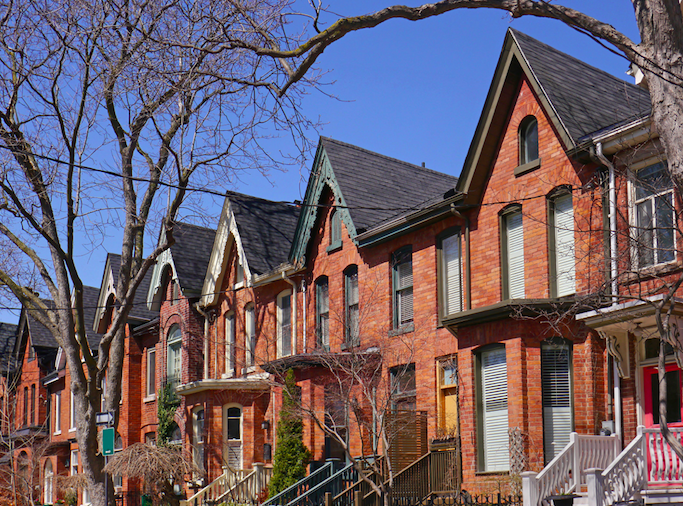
[108,111]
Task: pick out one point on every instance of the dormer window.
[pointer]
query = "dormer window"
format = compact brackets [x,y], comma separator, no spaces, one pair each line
[528,140]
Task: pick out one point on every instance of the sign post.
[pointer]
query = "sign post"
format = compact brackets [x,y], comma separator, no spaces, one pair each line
[108,441]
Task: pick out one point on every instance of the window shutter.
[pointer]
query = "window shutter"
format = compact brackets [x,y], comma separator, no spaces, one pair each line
[450,250]
[557,408]
[515,254]
[564,245]
[495,410]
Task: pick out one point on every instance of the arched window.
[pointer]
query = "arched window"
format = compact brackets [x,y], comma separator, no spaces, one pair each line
[232,436]
[174,355]
[528,140]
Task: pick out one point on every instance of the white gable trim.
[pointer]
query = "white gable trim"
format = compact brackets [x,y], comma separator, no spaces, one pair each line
[107,288]
[154,294]
[227,237]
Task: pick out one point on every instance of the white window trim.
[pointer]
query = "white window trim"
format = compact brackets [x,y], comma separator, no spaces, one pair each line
[150,396]
[280,313]
[633,214]
[172,343]
[72,412]
[448,278]
[564,244]
[230,342]
[57,401]
[519,269]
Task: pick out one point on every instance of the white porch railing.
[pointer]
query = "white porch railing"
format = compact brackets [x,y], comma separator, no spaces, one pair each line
[646,463]
[240,486]
[566,473]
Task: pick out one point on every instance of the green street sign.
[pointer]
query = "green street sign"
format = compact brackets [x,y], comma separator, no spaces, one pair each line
[108,435]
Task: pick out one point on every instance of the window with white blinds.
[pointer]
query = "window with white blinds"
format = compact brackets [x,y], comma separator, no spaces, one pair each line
[514,256]
[352,305]
[174,354]
[284,320]
[563,254]
[556,360]
[403,286]
[451,274]
[494,411]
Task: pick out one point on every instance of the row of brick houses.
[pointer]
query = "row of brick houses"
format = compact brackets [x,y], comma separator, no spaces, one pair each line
[459,293]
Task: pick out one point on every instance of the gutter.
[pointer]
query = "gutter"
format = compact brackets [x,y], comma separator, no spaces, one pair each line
[406,223]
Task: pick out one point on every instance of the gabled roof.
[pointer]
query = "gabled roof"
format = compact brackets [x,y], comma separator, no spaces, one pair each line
[90,297]
[187,260]
[369,189]
[586,98]
[110,276]
[578,98]
[191,252]
[8,336]
[260,230]
[266,229]
[41,337]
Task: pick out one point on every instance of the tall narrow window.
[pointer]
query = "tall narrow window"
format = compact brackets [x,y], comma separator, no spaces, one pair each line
[653,234]
[513,254]
[72,411]
[494,452]
[151,371]
[284,321]
[232,436]
[447,396]
[403,286]
[335,230]
[48,485]
[58,413]
[198,437]
[230,344]
[562,254]
[352,316]
[528,140]
[25,406]
[33,404]
[450,273]
[174,364]
[322,313]
[73,461]
[250,334]
[556,360]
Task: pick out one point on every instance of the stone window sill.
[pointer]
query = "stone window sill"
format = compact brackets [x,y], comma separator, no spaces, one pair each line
[527,167]
[409,327]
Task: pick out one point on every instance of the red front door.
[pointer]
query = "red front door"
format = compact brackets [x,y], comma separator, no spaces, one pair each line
[674,376]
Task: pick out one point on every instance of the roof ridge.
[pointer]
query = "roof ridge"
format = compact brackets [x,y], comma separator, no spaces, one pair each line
[184,224]
[380,155]
[244,196]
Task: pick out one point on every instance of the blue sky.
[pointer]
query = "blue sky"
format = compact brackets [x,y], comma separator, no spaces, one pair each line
[410,90]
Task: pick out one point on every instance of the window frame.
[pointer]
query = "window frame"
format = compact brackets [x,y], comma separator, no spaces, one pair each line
[150,373]
[397,380]
[250,335]
[523,134]
[72,412]
[282,327]
[230,344]
[443,274]
[174,355]
[33,404]
[351,338]
[554,248]
[322,331]
[483,464]
[57,424]
[634,216]
[506,271]
[199,437]
[402,256]
[335,230]
[565,346]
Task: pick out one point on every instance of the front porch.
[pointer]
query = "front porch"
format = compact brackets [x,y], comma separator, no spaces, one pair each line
[592,468]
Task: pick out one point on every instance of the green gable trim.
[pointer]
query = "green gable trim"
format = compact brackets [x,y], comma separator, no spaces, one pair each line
[322,176]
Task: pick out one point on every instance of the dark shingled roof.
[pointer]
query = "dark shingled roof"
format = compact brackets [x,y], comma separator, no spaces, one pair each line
[191,253]
[266,229]
[90,297]
[139,309]
[8,336]
[586,99]
[41,337]
[377,188]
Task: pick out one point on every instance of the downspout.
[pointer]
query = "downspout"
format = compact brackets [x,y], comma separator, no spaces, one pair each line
[294,318]
[612,194]
[468,271]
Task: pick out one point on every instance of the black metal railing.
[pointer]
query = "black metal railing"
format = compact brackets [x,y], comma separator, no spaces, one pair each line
[300,488]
